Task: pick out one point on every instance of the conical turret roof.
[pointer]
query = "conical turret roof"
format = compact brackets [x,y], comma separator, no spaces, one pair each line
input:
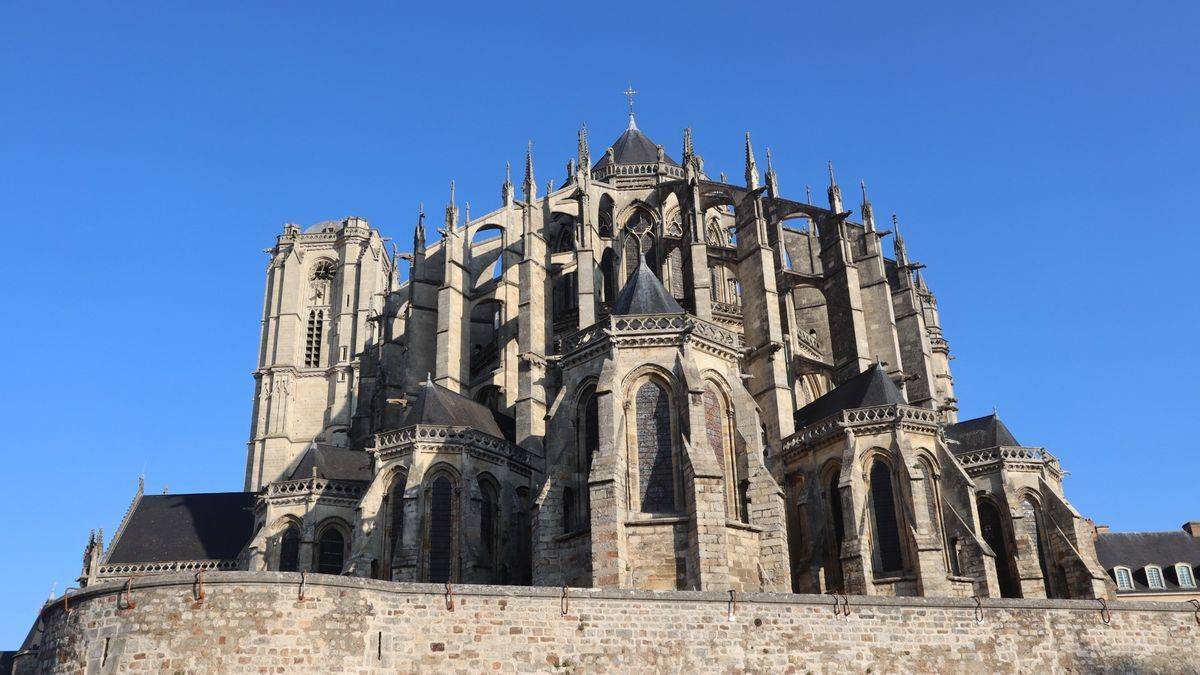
[645,294]
[633,147]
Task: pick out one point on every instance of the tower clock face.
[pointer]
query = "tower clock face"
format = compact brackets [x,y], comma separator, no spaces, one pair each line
[325,270]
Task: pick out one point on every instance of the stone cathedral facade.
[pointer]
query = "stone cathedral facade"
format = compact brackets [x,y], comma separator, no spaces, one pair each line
[638,376]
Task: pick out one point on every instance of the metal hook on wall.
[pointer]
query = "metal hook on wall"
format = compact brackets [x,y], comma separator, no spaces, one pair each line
[564,604]
[198,587]
[732,616]
[449,597]
[1105,614]
[978,609]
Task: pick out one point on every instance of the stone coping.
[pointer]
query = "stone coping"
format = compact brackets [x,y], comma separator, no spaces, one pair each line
[187,584]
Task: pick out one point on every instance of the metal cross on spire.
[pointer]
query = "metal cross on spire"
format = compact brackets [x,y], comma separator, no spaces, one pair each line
[629,94]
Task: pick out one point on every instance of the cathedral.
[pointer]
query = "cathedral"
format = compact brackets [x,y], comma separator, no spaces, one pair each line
[637,376]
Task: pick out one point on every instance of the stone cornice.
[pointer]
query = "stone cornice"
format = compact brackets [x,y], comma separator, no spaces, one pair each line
[863,421]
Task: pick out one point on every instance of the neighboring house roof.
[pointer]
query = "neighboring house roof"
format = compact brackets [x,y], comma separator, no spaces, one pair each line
[869,388]
[438,406]
[633,147]
[202,526]
[333,463]
[1135,550]
[980,433]
[645,294]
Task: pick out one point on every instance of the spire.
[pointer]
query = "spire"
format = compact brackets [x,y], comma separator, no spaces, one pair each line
[868,213]
[772,177]
[808,194]
[529,187]
[584,150]
[751,165]
[570,169]
[689,148]
[898,243]
[467,214]
[506,190]
[419,231]
[835,192]
[451,211]
[629,93]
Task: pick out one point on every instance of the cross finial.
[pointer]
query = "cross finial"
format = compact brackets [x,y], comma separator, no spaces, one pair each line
[629,94]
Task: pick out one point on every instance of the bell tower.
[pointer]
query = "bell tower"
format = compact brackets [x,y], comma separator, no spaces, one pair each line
[324,286]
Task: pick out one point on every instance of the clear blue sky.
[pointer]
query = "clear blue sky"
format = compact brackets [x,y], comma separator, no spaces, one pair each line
[1043,157]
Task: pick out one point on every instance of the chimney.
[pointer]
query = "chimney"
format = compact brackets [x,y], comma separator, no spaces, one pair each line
[1192,527]
[1102,529]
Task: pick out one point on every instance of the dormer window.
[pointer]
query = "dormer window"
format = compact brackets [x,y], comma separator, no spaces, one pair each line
[1183,572]
[1154,577]
[1124,579]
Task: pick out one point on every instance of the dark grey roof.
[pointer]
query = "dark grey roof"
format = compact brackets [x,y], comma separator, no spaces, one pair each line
[438,406]
[871,387]
[633,147]
[204,526]
[333,463]
[645,294]
[1135,550]
[980,433]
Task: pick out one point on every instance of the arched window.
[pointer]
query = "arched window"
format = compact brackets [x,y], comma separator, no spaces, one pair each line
[1124,579]
[631,254]
[289,550]
[331,551]
[608,270]
[992,529]
[394,532]
[522,528]
[1154,577]
[566,297]
[1032,525]
[566,238]
[887,528]
[1183,574]
[833,553]
[441,529]
[569,515]
[655,451]
[718,430]
[587,443]
[487,318]
[489,526]
[313,338]
[605,217]
[675,272]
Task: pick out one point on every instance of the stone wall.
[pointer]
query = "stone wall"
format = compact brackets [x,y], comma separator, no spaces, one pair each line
[257,622]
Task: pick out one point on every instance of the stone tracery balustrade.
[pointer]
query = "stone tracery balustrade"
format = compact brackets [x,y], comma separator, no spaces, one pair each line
[622,170]
[164,567]
[856,417]
[321,487]
[809,342]
[1022,457]
[638,324]
[727,308]
[394,442]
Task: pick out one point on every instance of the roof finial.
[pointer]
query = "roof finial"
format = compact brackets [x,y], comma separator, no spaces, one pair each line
[772,177]
[751,165]
[530,185]
[467,214]
[419,230]
[451,211]
[506,190]
[428,379]
[629,93]
[835,192]
[585,151]
[898,243]
[868,213]
[808,194]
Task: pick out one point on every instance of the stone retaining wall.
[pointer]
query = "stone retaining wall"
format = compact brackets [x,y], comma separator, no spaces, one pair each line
[256,622]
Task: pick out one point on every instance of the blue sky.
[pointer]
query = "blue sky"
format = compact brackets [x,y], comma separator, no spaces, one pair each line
[1042,157]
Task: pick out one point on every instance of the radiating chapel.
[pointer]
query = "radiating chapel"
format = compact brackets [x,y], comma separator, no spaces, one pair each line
[636,376]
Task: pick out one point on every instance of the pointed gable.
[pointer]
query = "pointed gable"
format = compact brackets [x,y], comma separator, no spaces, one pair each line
[869,388]
[645,294]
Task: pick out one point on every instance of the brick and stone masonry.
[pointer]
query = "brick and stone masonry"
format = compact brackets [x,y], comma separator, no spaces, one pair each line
[258,622]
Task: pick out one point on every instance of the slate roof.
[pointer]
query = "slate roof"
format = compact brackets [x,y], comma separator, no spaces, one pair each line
[979,433]
[1135,550]
[869,388]
[645,294]
[438,406]
[333,463]
[633,147]
[202,526]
